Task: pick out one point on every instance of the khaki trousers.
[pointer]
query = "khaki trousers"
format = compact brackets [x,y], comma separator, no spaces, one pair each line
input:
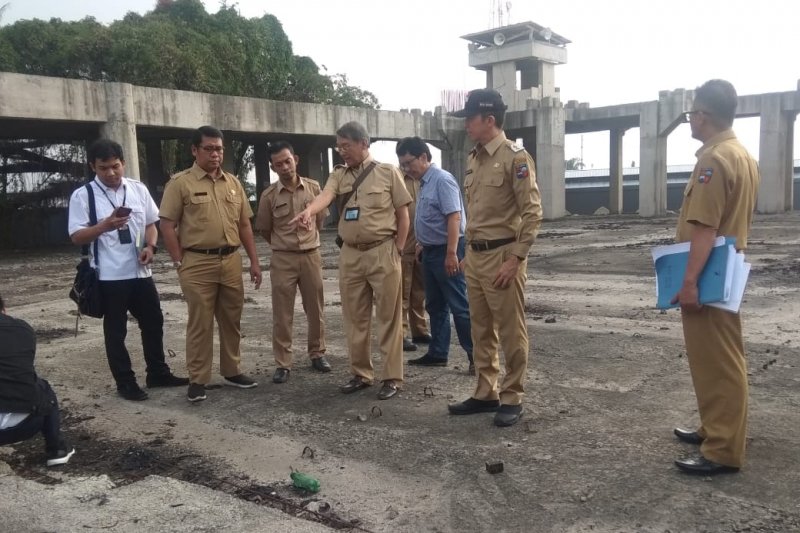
[363,277]
[413,298]
[287,272]
[213,288]
[494,311]
[715,350]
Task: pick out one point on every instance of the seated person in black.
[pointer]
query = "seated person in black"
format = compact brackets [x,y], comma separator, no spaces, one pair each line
[27,403]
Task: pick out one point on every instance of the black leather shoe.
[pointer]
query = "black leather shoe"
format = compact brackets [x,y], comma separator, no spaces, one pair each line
[165,380]
[409,346]
[471,406]
[692,437]
[320,364]
[507,415]
[427,360]
[702,466]
[422,339]
[356,383]
[388,390]
[132,392]
[281,375]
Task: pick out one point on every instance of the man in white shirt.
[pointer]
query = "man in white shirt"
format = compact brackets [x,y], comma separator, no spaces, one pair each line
[125,235]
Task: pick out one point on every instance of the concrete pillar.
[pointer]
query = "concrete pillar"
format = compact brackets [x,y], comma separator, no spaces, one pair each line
[504,81]
[317,157]
[454,154]
[261,165]
[121,124]
[229,156]
[653,163]
[550,168]
[547,78]
[775,156]
[615,172]
[156,177]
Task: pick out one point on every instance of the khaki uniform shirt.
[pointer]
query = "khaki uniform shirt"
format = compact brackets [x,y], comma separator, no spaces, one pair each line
[207,211]
[721,192]
[502,197]
[412,186]
[377,198]
[279,205]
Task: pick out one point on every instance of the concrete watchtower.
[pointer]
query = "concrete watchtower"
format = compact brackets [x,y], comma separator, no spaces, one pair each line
[527,48]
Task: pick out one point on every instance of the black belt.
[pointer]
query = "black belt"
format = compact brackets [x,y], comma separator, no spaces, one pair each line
[298,251]
[225,250]
[482,246]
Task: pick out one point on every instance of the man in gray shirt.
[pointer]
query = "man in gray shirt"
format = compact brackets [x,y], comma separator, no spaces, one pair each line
[439,225]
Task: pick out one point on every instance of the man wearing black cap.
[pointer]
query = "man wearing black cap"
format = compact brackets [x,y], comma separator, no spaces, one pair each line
[504,211]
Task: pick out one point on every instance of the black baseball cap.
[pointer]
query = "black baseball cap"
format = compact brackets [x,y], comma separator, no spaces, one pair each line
[481,101]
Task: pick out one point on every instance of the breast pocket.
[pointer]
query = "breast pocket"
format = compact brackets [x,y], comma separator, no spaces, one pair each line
[469,183]
[281,211]
[233,206]
[199,206]
[375,198]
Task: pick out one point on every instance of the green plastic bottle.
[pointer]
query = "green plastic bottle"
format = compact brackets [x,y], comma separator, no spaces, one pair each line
[304,481]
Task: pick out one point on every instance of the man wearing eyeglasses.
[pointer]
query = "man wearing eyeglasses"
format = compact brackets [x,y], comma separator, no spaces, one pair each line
[439,225]
[719,199]
[373,226]
[205,218]
[505,211]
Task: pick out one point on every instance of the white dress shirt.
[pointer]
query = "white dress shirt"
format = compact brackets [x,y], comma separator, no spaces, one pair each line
[118,261]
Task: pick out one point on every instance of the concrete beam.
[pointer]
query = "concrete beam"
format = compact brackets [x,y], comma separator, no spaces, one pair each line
[519,50]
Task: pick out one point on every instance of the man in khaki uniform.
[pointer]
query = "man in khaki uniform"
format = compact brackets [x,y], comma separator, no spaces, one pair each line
[719,200]
[205,217]
[415,329]
[373,226]
[296,260]
[503,215]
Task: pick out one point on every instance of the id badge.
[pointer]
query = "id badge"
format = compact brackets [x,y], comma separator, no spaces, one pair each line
[351,213]
[125,235]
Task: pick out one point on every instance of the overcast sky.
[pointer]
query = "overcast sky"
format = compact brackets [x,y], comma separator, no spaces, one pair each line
[407,52]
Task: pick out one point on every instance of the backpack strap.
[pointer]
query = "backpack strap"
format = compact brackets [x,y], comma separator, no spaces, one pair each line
[92,222]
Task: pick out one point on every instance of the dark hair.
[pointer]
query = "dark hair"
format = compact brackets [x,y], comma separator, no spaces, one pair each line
[279,146]
[414,146]
[499,117]
[104,149]
[353,131]
[2,304]
[205,131]
[719,98]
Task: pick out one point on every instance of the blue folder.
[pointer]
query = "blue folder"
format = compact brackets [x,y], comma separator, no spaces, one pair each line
[671,268]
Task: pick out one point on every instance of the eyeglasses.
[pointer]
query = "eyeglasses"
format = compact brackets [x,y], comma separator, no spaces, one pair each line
[688,115]
[342,148]
[406,165]
[209,149]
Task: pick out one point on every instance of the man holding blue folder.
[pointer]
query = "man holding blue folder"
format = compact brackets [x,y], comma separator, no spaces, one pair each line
[719,200]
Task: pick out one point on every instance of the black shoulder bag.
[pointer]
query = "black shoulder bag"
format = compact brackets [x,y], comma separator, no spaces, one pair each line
[85,289]
[342,199]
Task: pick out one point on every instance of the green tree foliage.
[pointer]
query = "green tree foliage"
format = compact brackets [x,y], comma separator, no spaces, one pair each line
[178,45]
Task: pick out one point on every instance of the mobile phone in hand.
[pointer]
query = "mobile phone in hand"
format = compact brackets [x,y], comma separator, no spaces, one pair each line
[123,211]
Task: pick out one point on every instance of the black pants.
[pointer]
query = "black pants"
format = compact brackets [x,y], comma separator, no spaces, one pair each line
[48,425]
[139,296]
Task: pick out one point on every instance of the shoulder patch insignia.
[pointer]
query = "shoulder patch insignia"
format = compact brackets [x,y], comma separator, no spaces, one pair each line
[521,171]
[705,175]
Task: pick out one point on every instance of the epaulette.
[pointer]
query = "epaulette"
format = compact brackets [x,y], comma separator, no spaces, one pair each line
[515,147]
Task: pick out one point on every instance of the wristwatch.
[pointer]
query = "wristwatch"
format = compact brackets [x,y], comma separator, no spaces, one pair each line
[154,248]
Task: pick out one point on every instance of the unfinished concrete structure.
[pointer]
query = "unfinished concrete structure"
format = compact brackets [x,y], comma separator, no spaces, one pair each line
[61,110]
[537,115]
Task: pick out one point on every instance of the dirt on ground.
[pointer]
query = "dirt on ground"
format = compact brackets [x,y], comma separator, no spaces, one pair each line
[607,382]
